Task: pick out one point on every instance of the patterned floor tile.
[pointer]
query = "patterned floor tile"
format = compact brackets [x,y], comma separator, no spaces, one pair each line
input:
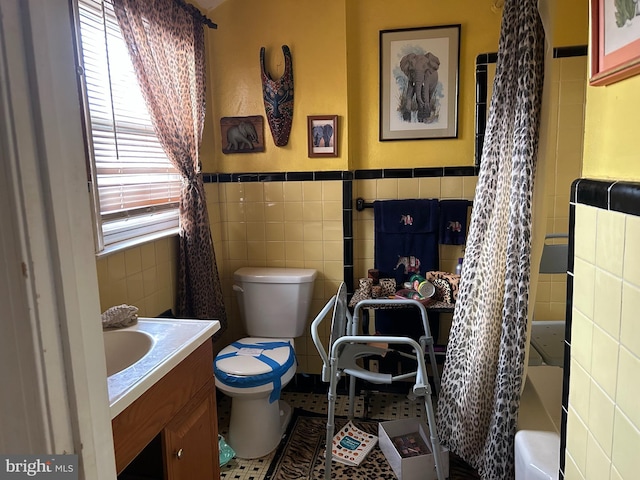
[371,404]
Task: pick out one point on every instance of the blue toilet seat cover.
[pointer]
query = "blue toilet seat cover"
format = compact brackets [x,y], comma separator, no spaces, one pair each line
[273,371]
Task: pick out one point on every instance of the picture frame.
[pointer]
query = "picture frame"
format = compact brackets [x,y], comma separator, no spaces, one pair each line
[242,134]
[615,42]
[427,54]
[322,135]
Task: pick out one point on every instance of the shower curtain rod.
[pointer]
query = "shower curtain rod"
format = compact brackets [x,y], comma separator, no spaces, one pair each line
[197,14]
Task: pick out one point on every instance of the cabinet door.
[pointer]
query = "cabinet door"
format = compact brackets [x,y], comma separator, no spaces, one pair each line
[191,440]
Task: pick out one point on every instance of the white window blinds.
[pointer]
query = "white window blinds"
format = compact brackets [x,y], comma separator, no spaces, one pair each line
[137,188]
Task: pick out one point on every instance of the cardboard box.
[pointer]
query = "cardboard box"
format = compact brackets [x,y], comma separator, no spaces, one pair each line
[413,463]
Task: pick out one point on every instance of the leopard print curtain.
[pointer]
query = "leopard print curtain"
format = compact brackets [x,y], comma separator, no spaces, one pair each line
[166,45]
[482,377]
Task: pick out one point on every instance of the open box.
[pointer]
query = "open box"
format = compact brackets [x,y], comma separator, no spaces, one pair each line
[414,433]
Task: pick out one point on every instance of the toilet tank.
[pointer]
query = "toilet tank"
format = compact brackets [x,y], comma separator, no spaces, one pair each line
[274,302]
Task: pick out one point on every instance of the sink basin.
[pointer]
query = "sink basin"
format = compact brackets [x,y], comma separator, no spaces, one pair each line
[140,355]
[123,348]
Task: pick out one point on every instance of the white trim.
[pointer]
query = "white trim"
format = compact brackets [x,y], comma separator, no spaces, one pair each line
[63,350]
[33,352]
[23,423]
[134,242]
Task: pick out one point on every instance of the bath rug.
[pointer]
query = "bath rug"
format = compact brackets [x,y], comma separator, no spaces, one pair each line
[300,455]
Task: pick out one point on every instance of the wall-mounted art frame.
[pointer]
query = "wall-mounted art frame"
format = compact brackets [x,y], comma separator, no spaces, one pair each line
[615,41]
[322,135]
[408,58]
[242,134]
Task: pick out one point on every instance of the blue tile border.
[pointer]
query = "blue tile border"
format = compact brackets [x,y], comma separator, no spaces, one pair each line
[347,235]
[344,175]
[276,176]
[558,52]
[594,193]
[566,52]
[613,195]
[367,174]
[623,197]
[299,176]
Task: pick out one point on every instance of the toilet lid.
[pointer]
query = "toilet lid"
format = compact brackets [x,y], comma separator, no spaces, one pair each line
[247,356]
[251,362]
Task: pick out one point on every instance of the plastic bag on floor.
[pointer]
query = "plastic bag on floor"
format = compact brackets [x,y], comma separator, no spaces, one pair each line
[226,452]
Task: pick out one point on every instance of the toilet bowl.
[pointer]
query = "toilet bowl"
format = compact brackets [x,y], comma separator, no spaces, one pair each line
[252,371]
[274,306]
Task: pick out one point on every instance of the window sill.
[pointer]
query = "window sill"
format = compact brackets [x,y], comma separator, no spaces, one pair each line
[134,242]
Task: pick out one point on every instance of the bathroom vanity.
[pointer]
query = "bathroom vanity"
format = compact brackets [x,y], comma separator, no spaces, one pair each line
[163,405]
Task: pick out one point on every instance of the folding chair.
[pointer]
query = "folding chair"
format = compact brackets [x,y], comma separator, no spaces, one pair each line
[346,347]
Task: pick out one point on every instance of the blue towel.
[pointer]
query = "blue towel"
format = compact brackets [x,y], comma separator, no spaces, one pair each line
[406,237]
[453,222]
[406,242]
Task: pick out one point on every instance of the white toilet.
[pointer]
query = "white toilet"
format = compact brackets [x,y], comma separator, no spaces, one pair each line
[274,306]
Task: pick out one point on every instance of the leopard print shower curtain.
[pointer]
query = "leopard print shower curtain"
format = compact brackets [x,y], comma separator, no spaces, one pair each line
[482,377]
[166,45]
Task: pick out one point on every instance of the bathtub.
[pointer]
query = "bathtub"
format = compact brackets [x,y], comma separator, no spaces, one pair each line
[537,441]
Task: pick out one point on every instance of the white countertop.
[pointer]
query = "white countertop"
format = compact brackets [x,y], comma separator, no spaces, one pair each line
[174,340]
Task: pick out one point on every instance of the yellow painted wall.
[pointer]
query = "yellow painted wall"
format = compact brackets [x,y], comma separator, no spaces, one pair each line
[335,57]
[611,148]
[570,23]
[603,420]
[315,33]
[480,29]
[335,52]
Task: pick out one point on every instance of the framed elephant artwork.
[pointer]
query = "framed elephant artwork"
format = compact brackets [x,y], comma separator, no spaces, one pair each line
[242,134]
[419,81]
[615,41]
[322,135]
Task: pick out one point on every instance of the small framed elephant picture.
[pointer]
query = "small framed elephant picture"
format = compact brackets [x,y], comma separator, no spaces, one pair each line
[419,83]
[322,135]
[242,134]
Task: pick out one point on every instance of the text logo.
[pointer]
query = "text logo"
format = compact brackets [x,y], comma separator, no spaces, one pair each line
[50,467]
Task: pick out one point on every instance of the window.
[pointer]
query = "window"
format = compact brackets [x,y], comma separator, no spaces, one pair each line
[135,188]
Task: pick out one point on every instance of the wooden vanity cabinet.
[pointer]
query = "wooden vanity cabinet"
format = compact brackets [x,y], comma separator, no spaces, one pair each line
[172,427]
[189,440]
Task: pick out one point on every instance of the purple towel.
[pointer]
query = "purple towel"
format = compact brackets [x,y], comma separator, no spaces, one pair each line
[453,222]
